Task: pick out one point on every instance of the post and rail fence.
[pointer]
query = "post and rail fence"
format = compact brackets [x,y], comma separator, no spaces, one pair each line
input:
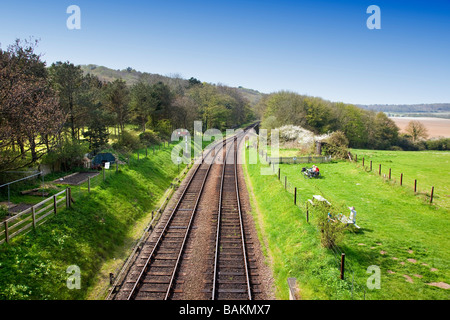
[34,216]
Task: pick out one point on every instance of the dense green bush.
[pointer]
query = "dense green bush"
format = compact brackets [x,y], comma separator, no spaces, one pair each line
[331,230]
[336,145]
[127,142]
[67,156]
[404,141]
[149,137]
[438,144]
[396,148]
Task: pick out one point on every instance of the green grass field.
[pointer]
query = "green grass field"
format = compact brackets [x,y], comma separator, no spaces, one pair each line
[429,168]
[401,233]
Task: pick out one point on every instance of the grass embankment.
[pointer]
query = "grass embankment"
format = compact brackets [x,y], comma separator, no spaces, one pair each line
[95,234]
[400,232]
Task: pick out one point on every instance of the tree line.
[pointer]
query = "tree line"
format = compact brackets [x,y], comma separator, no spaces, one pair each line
[46,109]
[352,126]
[362,128]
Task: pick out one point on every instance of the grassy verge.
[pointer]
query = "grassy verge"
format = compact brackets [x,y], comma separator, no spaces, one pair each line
[292,244]
[402,234]
[93,235]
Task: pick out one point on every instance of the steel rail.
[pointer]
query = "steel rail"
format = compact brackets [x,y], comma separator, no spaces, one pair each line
[189,227]
[136,285]
[219,218]
[244,253]
[247,275]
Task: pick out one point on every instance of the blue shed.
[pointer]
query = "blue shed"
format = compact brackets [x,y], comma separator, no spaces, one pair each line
[101,158]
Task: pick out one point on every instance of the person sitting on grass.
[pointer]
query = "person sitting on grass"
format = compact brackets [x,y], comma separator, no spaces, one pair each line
[315,170]
[351,219]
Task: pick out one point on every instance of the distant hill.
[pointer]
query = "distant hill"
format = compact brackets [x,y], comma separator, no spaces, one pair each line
[252,95]
[409,108]
[131,76]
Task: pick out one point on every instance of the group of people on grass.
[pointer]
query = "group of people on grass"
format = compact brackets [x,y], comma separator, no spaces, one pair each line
[313,172]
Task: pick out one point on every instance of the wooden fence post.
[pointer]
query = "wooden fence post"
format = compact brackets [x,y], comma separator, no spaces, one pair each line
[370,165]
[307,212]
[33,216]
[54,204]
[432,192]
[401,179]
[295,195]
[363,161]
[379,169]
[342,265]
[279,173]
[415,185]
[389,173]
[6,231]
[89,184]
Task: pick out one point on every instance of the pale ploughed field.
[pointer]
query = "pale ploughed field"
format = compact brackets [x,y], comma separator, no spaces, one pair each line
[437,127]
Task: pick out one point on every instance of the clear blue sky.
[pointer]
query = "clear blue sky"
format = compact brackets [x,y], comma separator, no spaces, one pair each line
[319,48]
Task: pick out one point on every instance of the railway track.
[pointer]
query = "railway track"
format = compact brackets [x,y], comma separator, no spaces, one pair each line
[155,271]
[231,279]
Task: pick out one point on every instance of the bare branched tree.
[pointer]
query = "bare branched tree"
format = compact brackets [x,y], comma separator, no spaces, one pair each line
[417,130]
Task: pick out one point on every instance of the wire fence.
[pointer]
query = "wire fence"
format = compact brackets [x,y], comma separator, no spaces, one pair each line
[388,175]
